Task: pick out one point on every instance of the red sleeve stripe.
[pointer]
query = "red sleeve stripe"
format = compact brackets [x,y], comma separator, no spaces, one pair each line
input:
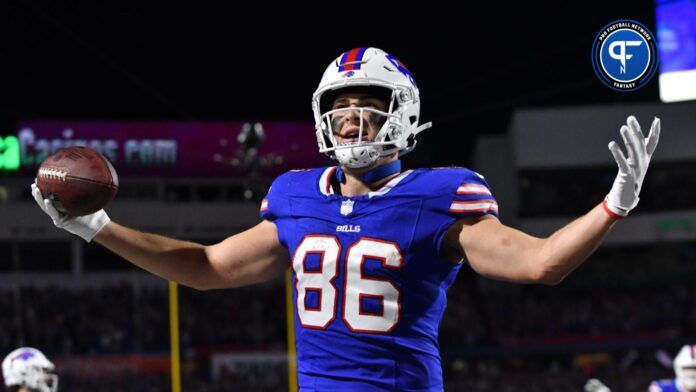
[472,189]
[264,204]
[474,206]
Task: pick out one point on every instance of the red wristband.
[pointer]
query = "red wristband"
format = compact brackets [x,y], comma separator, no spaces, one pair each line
[610,212]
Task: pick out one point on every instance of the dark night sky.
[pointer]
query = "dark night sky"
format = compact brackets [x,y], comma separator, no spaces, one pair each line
[151,60]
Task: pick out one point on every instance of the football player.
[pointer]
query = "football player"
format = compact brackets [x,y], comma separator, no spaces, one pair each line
[27,369]
[595,385]
[373,248]
[684,370]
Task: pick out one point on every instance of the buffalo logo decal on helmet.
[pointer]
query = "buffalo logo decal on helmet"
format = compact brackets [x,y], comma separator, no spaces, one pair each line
[24,355]
[401,67]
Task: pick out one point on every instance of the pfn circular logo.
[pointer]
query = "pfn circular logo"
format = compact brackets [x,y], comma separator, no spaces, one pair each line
[624,55]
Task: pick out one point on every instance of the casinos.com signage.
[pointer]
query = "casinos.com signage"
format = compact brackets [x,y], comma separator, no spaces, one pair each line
[168,149]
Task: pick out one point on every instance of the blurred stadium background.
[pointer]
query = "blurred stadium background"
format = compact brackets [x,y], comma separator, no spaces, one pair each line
[200,106]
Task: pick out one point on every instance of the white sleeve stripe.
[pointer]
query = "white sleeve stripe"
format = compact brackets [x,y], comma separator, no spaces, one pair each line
[472,189]
[264,204]
[474,206]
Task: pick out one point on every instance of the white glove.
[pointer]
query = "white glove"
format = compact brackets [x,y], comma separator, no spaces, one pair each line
[623,196]
[84,226]
[594,385]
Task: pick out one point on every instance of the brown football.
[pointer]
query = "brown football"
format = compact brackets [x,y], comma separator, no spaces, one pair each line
[78,180]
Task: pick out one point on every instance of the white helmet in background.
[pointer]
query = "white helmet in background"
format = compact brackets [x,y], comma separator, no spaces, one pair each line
[28,367]
[373,71]
[685,368]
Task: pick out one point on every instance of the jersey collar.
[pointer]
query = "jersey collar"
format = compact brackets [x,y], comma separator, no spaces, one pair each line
[326,189]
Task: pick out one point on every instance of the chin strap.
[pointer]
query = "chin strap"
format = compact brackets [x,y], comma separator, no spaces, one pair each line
[422,128]
[374,175]
[412,138]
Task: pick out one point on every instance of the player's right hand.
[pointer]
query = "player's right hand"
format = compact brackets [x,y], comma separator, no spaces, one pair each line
[84,226]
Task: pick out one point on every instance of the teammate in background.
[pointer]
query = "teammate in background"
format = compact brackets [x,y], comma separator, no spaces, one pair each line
[684,370]
[373,248]
[595,385]
[26,369]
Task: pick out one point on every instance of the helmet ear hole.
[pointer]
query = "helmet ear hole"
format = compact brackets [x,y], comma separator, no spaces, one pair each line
[413,119]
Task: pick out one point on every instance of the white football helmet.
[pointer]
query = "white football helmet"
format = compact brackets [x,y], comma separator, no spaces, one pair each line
[685,368]
[28,367]
[382,75]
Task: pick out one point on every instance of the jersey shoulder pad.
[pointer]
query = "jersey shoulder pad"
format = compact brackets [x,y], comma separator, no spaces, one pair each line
[460,191]
[287,185]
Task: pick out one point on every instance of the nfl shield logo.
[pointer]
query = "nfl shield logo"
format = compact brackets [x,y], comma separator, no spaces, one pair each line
[347,207]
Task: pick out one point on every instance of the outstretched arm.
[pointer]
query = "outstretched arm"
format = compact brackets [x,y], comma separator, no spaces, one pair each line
[252,256]
[249,257]
[501,252]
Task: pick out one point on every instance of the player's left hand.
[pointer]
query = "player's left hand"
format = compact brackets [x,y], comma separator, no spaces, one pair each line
[623,196]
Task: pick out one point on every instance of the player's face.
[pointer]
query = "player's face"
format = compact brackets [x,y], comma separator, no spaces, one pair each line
[346,124]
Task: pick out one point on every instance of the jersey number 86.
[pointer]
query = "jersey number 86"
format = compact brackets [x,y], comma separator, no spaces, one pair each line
[356,285]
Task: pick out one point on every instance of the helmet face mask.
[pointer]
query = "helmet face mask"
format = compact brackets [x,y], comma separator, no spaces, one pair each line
[370,138]
[377,74]
[28,367]
[685,368]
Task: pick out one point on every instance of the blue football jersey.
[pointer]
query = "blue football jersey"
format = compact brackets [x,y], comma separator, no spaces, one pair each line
[664,386]
[369,281]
